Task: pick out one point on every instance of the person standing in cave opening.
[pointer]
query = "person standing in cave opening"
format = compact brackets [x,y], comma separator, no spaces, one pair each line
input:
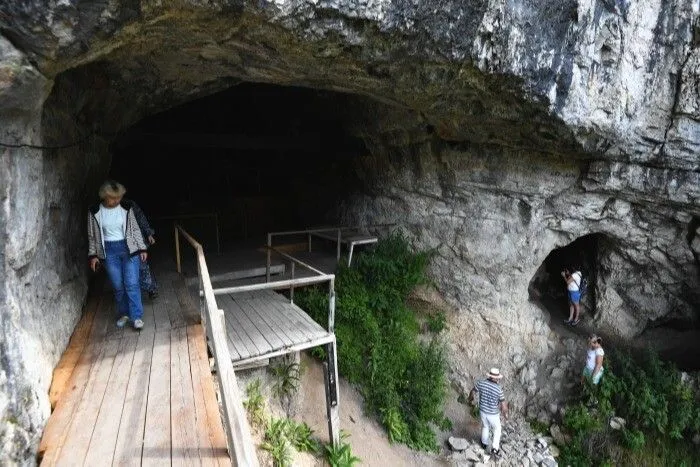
[114,237]
[573,286]
[492,403]
[146,277]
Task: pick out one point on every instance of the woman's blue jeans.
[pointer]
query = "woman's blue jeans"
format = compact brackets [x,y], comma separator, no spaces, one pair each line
[123,272]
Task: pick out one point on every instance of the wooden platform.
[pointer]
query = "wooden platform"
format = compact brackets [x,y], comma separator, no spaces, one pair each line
[264,324]
[124,397]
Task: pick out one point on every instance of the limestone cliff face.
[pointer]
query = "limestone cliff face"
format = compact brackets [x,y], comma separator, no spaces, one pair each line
[497,131]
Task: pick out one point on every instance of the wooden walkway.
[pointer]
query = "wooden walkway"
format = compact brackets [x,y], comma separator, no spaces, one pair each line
[264,324]
[124,397]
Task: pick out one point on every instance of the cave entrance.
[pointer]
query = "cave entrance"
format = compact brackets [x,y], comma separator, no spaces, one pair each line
[258,157]
[547,287]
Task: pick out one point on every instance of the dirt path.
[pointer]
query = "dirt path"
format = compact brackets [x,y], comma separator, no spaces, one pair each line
[367,438]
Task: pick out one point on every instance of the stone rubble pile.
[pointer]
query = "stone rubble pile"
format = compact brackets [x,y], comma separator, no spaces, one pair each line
[519,447]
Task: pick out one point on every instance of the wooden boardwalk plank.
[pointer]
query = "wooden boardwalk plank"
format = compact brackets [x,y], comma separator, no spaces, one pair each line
[161,317]
[293,317]
[254,332]
[83,424]
[189,310]
[286,318]
[211,438]
[145,398]
[260,323]
[149,319]
[57,427]
[244,345]
[76,347]
[58,424]
[183,418]
[104,436]
[266,312]
[157,432]
[235,344]
[131,426]
[106,319]
[250,336]
[168,299]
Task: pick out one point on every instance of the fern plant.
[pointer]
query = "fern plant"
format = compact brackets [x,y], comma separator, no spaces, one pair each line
[255,404]
[340,455]
[287,377]
[300,435]
[276,442]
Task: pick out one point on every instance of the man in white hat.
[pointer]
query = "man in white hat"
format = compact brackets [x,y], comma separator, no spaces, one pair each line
[492,403]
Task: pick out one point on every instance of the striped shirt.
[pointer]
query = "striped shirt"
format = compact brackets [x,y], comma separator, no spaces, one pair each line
[490,394]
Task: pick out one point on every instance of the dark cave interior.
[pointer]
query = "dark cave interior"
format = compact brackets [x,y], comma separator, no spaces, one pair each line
[261,157]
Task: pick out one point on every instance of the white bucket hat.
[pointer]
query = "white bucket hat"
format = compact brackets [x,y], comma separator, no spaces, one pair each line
[495,373]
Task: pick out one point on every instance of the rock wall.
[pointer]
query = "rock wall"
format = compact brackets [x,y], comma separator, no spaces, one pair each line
[506,129]
[492,216]
[42,273]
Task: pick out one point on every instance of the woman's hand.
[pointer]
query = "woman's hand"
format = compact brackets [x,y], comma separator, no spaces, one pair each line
[151,239]
[144,256]
[94,264]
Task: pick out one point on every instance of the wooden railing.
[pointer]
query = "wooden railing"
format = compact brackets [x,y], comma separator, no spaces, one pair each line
[331,364]
[290,284]
[240,443]
[336,233]
[202,215]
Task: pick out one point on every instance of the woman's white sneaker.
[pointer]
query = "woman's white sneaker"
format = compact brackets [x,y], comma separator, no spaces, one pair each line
[138,324]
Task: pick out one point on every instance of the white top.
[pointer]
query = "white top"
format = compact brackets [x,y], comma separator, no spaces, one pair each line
[591,356]
[112,222]
[573,286]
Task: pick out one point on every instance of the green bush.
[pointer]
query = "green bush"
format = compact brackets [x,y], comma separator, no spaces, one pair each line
[402,380]
[661,414]
[437,322]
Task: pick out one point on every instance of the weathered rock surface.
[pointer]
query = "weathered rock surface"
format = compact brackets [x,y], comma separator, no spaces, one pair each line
[496,133]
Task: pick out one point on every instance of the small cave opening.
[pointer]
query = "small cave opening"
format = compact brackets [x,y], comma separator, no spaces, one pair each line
[547,287]
[260,157]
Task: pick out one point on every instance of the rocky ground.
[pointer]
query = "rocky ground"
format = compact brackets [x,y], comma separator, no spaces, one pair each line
[460,447]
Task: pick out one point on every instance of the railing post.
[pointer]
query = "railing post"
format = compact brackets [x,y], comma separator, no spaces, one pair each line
[269,257]
[330,380]
[338,247]
[177,250]
[202,303]
[331,305]
[291,287]
[308,239]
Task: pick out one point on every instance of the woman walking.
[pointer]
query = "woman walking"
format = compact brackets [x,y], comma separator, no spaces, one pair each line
[593,371]
[114,238]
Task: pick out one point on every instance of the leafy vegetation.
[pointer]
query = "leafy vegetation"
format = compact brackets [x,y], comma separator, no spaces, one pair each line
[401,378]
[661,412]
[255,404]
[437,322]
[538,426]
[282,435]
[341,455]
[287,376]
[276,442]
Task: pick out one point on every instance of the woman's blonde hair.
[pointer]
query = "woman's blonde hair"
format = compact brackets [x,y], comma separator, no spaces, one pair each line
[111,188]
